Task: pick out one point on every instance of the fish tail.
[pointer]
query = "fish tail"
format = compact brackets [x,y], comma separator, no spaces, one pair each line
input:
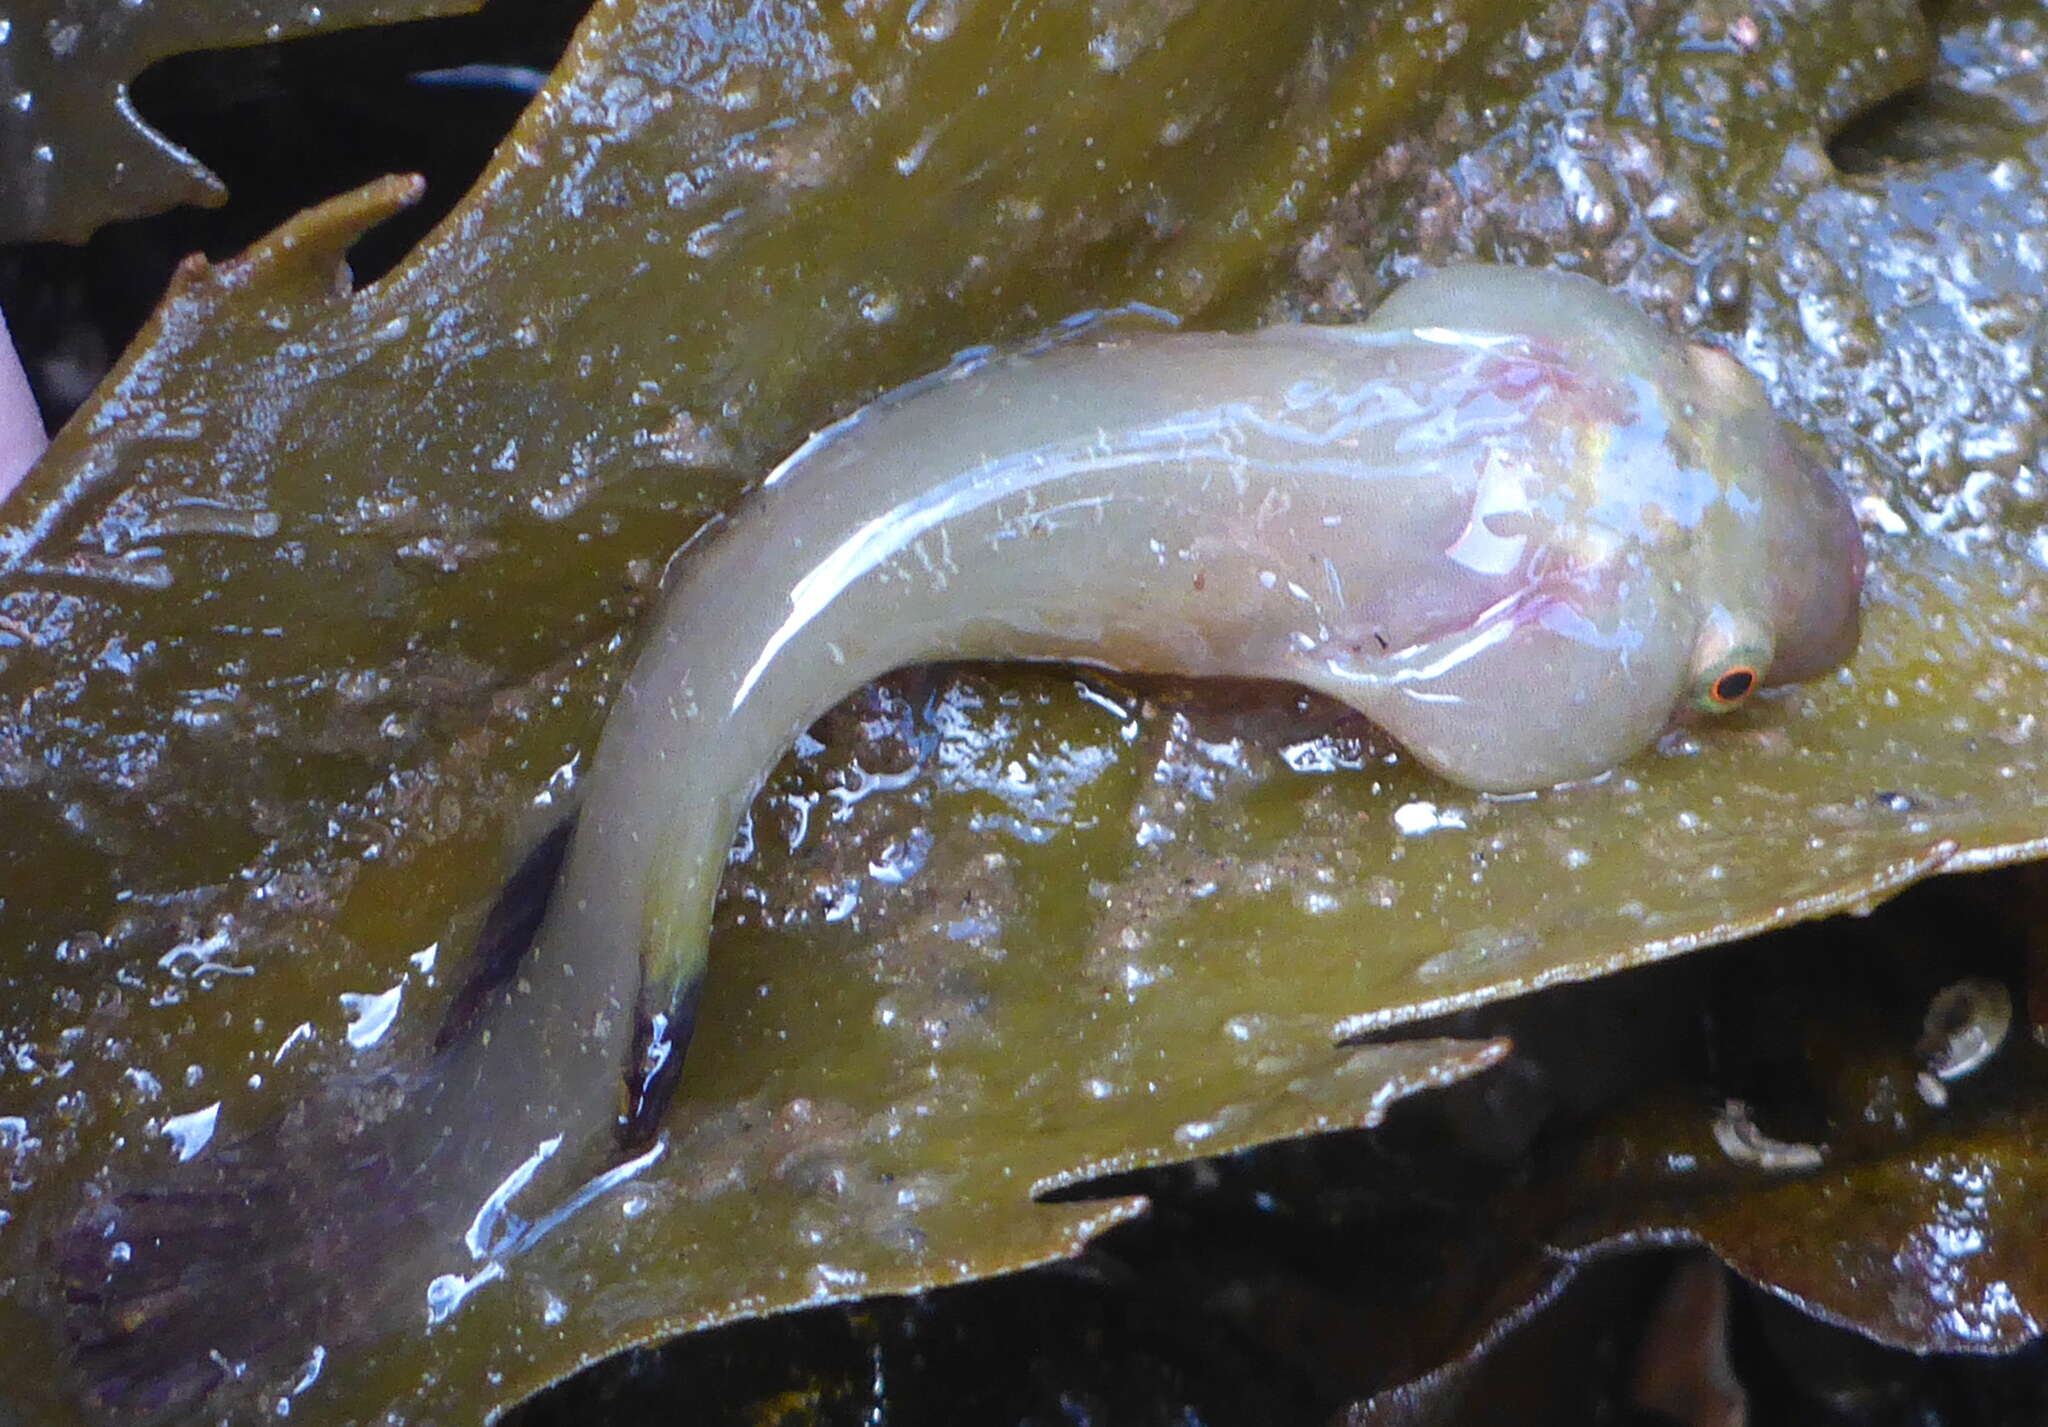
[662,1028]
[245,1264]
[252,1260]
[239,1268]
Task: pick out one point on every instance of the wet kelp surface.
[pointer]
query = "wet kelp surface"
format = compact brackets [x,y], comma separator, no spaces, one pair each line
[1509,1249]
[75,151]
[283,125]
[310,617]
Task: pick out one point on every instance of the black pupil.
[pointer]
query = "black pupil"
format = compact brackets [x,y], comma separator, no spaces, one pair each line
[1733,685]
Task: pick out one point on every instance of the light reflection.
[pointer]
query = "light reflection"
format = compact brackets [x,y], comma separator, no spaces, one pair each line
[370,1014]
[191,1132]
[497,1234]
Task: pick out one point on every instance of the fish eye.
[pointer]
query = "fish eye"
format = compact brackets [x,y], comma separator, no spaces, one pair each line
[1728,688]
[1729,661]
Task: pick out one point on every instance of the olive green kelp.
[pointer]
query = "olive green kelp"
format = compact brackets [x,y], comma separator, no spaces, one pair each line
[74,154]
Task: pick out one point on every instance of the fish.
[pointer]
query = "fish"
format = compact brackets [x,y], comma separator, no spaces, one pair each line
[1508,517]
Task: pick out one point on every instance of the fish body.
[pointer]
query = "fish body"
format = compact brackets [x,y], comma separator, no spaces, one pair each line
[1508,518]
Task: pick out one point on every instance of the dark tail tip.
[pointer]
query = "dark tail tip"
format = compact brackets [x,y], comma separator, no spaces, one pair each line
[654,1065]
[230,1270]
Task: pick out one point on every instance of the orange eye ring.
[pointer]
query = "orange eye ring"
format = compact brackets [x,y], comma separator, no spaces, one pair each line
[1732,685]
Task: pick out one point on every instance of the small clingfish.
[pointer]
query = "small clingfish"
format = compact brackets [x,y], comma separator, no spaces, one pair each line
[1510,519]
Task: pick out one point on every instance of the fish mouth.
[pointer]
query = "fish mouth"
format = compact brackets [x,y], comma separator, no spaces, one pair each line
[1817,569]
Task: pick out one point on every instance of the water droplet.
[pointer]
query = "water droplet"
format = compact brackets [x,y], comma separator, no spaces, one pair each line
[911,159]
[706,241]
[370,1014]
[445,1294]
[1414,819]
[190,1132]
[933,19]
[1727,287]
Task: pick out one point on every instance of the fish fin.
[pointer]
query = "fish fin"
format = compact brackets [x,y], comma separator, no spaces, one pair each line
[662,1026]
[227,1272]
[234,1267]
[507,933]
[1365,659]
[1557,683]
